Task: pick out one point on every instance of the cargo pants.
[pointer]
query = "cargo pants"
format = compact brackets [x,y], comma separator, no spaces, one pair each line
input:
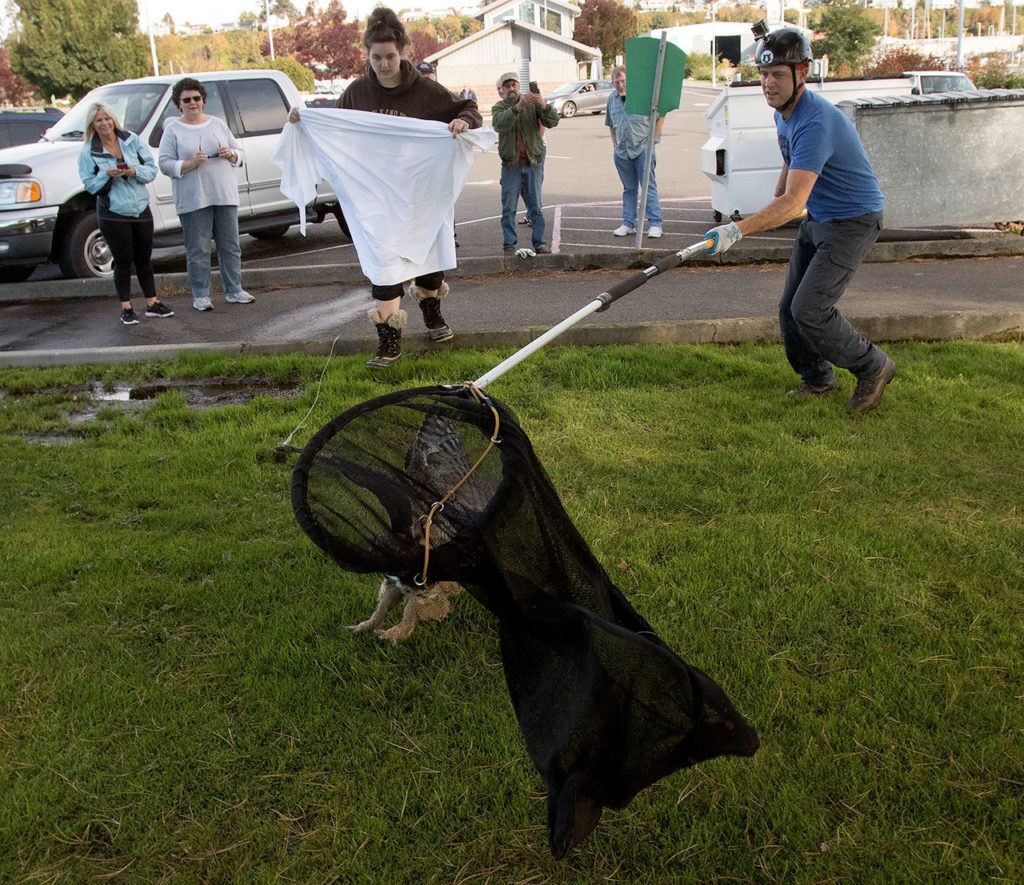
[815,334]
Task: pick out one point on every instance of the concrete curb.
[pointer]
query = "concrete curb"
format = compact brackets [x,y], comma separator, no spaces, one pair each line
[985,246]
[736,330]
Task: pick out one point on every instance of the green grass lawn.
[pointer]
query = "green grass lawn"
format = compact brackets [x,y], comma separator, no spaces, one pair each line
[179,699]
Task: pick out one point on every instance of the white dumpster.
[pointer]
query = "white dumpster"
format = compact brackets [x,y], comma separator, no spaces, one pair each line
[742,156]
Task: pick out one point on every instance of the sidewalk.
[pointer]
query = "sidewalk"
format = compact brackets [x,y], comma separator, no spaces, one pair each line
[507,303]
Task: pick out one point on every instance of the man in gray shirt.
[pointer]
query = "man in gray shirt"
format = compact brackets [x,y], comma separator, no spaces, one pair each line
[629,134]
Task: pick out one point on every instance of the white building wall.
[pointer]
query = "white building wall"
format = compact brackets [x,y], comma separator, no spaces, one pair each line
[502,14]
[479,64]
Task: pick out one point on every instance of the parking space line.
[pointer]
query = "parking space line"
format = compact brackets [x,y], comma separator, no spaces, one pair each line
[556,231]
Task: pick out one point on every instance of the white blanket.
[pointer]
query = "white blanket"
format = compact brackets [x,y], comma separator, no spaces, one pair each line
[396,178]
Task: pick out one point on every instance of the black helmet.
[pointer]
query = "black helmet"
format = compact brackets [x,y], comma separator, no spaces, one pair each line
[786,46]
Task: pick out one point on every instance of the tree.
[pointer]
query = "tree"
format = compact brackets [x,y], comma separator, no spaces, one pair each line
[278,9]
[13,89]
[606,24]
[897,59]
[326,40]
[297,72]
[168,20]
[849,36]
[67,47]
[422,44]
[230,50]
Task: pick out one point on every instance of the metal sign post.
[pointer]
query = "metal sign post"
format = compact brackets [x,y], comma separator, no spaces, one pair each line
[641,206]
[655,76]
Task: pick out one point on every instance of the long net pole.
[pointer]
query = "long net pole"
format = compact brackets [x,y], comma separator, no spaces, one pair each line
[602,302]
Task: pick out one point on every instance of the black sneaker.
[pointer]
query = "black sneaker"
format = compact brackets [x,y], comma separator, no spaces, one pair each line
[128,317]
[158,309]
[805,390]
[542,249]
[868,392]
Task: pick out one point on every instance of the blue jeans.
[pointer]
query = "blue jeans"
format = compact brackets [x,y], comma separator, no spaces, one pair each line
[631,174]
[219,223]
[815,334]
[524,180]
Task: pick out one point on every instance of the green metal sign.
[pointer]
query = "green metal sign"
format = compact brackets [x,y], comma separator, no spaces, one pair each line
[641,64]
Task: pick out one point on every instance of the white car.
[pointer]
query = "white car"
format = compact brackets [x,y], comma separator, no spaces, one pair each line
[46,214]
[929,82]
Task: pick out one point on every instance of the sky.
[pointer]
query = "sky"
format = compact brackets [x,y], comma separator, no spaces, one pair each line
[208,13]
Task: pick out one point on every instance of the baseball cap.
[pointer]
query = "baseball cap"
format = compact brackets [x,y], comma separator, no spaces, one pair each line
[425,67]
[508,75]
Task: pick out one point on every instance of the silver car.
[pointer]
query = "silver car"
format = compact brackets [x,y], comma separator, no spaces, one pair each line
[580,97]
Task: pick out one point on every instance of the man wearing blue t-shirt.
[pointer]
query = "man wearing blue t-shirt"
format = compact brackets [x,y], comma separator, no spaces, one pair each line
[826,170]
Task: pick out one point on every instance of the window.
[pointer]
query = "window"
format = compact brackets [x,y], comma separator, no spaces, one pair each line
[133,103]
[552,21]
[26,131]
[212,107]
[527,13]
[505,16]
[261,106]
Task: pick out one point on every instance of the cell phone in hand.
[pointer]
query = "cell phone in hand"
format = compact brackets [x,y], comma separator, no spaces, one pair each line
[534,88]
[122,165]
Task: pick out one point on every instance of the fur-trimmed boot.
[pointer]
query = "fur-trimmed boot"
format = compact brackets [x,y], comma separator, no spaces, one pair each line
[389,333]
[430,305]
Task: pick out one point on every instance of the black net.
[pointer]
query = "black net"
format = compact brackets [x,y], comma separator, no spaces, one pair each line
[605,707]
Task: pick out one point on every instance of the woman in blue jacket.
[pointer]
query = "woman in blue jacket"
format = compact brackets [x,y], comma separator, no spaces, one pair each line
[116,166]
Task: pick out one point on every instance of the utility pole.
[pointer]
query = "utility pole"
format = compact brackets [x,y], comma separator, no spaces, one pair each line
[714,58]
[960,40]
[152,42]
[270,28]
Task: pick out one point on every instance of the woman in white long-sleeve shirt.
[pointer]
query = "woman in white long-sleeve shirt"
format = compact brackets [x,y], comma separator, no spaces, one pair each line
[198,153]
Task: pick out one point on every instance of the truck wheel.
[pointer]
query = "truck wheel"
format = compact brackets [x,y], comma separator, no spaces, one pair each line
[85,253]
[17,273]
[569,109]
[270,233]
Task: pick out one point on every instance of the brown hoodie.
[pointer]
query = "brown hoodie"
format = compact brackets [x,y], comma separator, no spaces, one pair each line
[415,96]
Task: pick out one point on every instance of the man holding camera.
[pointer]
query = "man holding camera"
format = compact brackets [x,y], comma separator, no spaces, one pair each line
[519,119]
[826,169]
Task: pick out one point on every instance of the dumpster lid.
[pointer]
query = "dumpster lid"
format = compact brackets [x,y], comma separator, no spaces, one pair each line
[980,96]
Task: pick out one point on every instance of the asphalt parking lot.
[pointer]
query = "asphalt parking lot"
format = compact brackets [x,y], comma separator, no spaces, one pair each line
[582,197]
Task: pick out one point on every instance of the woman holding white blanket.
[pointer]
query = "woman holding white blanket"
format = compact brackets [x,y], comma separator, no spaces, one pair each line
[392,86]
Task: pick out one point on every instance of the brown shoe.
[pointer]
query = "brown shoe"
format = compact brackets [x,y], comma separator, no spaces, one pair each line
[805,390]
[868,392]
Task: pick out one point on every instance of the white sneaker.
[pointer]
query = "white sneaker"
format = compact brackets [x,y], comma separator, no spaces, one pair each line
[202,304]
[623,230]
[655,232]
[240,297]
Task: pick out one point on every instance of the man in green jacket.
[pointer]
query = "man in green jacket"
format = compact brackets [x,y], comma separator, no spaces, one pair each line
[518,119]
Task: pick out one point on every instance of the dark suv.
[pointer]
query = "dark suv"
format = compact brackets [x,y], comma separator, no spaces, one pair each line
[25,125]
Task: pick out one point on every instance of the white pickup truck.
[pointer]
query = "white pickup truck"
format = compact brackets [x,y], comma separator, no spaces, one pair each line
[46,214]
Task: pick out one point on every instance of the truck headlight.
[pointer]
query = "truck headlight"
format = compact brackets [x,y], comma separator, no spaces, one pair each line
[17,192]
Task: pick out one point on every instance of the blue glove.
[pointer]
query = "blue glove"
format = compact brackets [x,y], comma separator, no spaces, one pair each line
[724,237]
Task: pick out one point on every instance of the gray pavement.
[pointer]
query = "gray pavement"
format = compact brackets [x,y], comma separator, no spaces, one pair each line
[919,299]
[930,283]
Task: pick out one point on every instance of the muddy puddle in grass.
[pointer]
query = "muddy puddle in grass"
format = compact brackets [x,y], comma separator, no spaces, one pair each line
[133,397]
